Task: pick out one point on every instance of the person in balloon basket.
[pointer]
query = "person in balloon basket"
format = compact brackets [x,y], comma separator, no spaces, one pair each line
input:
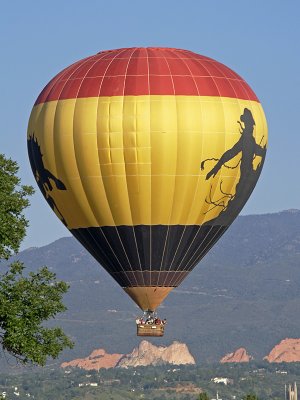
[150,321]
[140,321]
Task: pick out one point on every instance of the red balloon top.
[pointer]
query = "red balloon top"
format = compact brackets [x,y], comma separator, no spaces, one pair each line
[146,71]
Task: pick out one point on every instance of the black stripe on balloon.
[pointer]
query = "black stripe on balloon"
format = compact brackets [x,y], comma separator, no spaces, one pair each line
[149,278]
[175,251]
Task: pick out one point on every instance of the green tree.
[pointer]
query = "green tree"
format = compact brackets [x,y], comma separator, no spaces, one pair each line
[250,397]
[203,396]
[26,300]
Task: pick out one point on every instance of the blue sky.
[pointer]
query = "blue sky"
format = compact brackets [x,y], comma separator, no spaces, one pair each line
[258,39]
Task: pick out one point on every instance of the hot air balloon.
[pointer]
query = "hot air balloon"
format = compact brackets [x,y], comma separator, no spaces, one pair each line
[147,155]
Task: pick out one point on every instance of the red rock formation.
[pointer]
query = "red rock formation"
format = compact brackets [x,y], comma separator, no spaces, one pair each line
[238,356]
[288,350]
[148,354]
[96,360]
[145,354]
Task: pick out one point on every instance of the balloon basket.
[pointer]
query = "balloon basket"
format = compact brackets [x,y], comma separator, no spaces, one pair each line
[150,330]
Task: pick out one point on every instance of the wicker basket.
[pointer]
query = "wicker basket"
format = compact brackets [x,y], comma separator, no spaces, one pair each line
[150,330]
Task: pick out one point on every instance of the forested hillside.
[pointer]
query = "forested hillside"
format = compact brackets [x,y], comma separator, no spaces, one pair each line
[245,293]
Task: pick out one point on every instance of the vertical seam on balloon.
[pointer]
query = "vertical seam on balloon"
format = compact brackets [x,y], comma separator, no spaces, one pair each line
[168,229]
[198,180]
[186,64]
[104,186]
[187,250]
[105,189]
[133,227]
[196,258]
[199,229]
[111,248]
[187,253]
[229,81]
[107,241]
[137,250]
[187,263]
[75,152]
[234,77]
[97,246]
[177,248]
[59,77]
[191,205]
[174,181]
[79,66]
[150,233]
[185,226]
[100,170]
[211,243]
[83,239]
[202,253]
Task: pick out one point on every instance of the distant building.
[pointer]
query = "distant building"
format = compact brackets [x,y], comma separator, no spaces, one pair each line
[293,395]
[225,381]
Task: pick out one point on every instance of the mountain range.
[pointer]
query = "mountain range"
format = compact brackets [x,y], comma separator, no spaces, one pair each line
[244,293]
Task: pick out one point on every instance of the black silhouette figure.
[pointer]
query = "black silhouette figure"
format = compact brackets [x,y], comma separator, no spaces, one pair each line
[249,150]
[45,179]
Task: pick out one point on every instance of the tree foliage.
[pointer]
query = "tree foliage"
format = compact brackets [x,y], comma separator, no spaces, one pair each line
[203,396]
[250,397]
[13,201]
[26,301]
